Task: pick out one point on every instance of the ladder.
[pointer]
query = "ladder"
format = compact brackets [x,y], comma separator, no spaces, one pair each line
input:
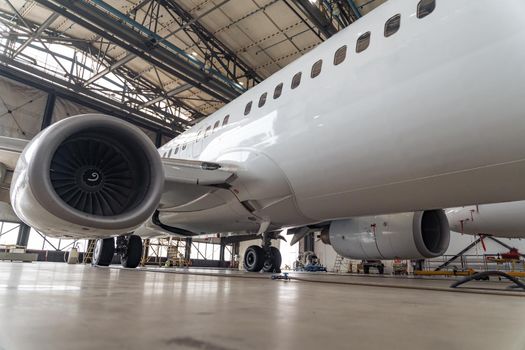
[88,256]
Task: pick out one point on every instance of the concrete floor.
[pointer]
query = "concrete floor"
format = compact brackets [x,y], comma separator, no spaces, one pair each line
[58,306]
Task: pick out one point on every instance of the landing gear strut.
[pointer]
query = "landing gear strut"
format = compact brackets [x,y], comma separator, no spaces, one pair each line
[266,257]
[128,247]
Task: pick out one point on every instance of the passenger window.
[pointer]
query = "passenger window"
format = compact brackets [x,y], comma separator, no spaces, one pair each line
[176,150]
[316,68]
[340,55]
[363,42]
[262,100]
[296,80]
[216,125]
[392,25]
[225,120]
[206,133]
[278,91]
[425,8]
[248,108]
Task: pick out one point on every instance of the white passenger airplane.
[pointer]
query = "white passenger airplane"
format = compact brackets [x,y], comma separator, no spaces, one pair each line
[416,107]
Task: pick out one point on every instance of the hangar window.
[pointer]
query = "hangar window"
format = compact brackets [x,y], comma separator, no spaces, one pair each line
[225,120]
[392,25]
[363,42]
[340,55]
[207,132]
[177,149]
[216,125]
[262,100]
[248,108]
[425,8]
[278,91]
[296,80]
[316,68]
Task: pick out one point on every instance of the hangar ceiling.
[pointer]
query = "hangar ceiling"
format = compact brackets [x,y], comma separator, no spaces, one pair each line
[166,62]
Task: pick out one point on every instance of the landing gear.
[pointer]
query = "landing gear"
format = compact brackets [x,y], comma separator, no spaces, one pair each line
[273,263]
[266,258]
[130,250]
[103,252]
[254,258]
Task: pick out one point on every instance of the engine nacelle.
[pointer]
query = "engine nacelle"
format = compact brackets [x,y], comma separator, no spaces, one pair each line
[87,176]
[418,235]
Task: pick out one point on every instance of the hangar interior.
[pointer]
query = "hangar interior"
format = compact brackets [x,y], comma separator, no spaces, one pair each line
[164,65]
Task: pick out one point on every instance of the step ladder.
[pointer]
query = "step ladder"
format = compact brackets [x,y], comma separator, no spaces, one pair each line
[88,256]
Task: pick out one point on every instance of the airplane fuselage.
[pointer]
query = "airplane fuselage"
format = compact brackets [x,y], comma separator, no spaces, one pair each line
[430,117]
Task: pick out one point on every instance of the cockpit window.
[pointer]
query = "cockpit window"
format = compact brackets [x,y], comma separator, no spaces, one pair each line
[363,42]
[225,120]
[392,25]
[425,8]
[216,125]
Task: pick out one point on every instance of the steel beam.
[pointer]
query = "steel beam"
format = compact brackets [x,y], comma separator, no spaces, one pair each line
[315,15]
[187,250]
[147,46]
[23,235]
[36,34]
[354,7]
[47,118]
[45,82]
[121,71]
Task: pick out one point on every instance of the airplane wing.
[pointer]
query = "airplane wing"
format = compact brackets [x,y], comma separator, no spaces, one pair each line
[192,185]
[196,172]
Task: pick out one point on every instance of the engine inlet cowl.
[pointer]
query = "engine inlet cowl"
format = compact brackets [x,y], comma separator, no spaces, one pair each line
[89,172]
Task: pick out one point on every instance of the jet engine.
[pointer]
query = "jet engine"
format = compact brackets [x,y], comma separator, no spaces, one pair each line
[88,175]
[417,235]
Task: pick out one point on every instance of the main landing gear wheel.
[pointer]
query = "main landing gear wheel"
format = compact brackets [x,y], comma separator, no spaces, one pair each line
[103,252]
[133,252]
[273,263]
[254,258]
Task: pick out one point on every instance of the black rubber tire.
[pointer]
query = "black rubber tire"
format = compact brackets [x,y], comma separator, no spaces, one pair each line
[275,264]
[103,252]
[133,254]
[253,258]
[366,270]
[381,270]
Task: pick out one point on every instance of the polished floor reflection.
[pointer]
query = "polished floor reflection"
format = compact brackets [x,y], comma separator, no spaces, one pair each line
[59,306]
